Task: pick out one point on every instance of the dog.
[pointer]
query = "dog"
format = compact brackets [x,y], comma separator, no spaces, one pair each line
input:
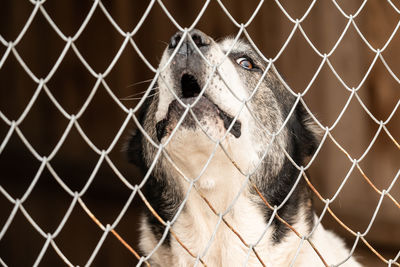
[220,138]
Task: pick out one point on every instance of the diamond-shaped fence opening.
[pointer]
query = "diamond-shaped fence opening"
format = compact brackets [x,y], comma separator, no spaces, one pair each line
[73,75]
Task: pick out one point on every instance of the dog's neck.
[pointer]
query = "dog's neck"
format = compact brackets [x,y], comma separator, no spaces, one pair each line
[221,189]
[215,171]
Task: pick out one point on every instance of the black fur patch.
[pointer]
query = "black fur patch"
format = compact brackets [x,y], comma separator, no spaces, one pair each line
[160,129]
[165,200]
[236,127]
[302,143]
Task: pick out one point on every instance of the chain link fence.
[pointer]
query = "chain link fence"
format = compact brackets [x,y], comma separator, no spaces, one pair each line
[48,175]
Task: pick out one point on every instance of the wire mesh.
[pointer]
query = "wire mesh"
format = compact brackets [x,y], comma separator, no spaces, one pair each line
[77,196]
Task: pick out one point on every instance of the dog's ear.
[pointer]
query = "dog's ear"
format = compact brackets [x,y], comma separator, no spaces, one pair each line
[134,149]
[307,134]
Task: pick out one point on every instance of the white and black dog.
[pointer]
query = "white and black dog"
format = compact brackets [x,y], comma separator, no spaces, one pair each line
[227,166]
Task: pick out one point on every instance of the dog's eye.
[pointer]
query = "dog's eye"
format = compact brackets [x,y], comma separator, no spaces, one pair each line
[245,63]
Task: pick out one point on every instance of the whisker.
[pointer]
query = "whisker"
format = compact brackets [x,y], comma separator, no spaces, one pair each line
[140,93]
[141,82]
[130,98]
[161,41]
[137,94]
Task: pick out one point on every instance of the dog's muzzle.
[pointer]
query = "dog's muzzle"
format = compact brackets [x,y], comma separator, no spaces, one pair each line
[187,64]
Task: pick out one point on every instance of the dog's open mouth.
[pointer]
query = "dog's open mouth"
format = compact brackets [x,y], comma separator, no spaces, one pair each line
[189,85]
[204,110]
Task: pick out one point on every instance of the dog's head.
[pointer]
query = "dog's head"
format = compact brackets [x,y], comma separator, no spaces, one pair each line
[214,102]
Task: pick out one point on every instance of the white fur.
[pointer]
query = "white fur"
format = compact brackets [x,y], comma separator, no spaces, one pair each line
[196,225]
[221,183]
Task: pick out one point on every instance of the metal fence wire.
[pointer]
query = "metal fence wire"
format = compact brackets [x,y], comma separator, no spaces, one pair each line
[11,50]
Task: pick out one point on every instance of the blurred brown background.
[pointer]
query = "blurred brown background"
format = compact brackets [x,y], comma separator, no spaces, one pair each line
[71,84]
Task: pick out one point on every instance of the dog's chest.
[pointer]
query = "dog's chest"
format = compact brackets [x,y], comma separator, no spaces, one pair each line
[220,239]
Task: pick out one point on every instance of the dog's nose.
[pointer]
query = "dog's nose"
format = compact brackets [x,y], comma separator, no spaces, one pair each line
[198,37]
